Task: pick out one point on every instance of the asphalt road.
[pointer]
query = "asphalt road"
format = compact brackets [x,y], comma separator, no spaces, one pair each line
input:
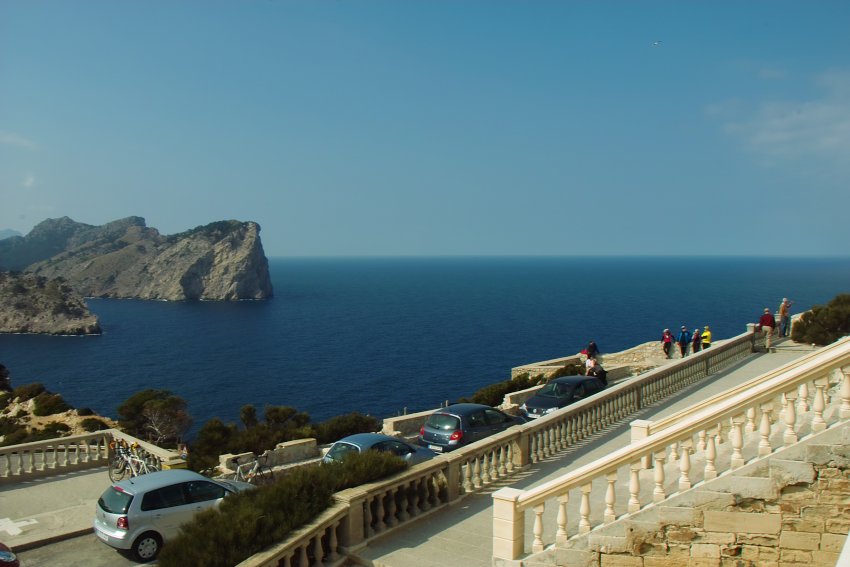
[83,551]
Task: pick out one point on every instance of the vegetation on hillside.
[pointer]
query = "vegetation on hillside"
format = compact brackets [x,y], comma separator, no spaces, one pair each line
[494,394]
[824,324]
[248,522]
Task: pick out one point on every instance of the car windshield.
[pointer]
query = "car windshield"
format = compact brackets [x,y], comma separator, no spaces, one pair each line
[340,450]
[114,501]
[443,421]
[554,390]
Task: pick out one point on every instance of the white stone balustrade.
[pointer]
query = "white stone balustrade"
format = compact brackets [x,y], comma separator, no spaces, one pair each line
[594,487]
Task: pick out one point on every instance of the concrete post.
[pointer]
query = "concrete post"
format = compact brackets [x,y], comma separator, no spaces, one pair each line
[639,431]
[351,531]
[508,525]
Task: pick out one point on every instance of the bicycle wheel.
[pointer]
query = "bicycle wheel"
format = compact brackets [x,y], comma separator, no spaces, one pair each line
[264,475]
[117,468]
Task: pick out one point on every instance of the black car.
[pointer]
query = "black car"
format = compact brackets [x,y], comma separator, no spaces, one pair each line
[461,424]
[560,393]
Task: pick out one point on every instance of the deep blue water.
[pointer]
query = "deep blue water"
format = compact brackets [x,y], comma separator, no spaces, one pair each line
[376,335]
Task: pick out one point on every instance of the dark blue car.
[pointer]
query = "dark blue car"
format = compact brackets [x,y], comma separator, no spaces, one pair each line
[461,424]
[560,393]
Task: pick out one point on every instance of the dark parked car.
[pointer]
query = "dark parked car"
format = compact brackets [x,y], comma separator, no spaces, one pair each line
[560,393]
[7,557]
[461,424]
[377,442]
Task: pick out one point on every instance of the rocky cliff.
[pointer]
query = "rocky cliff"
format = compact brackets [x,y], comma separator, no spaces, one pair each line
[126,259]
[34,304]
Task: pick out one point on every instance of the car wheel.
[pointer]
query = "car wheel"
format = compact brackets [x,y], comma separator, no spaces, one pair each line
[147,546]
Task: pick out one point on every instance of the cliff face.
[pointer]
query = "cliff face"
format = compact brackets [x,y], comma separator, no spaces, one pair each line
[126,259]
[33,304]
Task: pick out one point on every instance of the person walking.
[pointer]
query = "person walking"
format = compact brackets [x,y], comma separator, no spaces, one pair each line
[785,317]
[697,341]
[667,342]
[706,338]
[767,324]
[684,340]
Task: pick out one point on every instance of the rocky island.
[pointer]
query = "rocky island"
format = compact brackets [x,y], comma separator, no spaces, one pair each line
[34,304]
[126,259]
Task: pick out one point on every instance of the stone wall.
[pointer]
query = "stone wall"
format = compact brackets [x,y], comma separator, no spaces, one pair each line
[787,510]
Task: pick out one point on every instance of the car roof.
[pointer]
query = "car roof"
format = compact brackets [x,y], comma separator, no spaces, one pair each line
[158,479]
[463,409]
[571,379]
[367,439]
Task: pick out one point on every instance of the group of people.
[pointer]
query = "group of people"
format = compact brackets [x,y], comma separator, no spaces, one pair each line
[686,340]
[591,364]
[768,324]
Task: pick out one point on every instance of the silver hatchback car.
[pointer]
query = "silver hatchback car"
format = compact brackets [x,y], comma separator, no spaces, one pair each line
[142,513]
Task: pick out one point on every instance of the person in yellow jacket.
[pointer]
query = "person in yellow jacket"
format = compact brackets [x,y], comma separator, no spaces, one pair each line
[706,338]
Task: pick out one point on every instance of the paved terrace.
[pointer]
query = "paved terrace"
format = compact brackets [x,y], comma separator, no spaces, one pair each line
[41,511]
[462,535]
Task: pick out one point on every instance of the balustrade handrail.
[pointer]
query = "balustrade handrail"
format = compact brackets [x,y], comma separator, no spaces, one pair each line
[764,392]
[45,443]
[666,422]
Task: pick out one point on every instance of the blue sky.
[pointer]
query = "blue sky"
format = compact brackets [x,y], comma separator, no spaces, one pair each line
[436,128]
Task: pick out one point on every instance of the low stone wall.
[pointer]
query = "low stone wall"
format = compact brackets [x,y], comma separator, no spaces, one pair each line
[406,425]
[547,367]
[283,454]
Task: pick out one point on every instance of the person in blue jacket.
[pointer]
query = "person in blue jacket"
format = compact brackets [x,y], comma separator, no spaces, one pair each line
[683,340]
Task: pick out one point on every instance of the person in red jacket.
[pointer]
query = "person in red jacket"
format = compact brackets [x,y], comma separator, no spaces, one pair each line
[667,341]
[767,324]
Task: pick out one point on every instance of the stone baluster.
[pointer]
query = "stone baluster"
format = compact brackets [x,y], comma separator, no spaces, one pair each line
[789,415]
[610,498]
[701,440]
[634,486]
[503,461]
[368,530]
[402,495]
[553,438]
[658,494]
[764,429]
[803,401]
[303,560]
[467,477]
[674,452]
[561,536]
[485,469]
[390,509]
[476,472]
[818,422]
[287,560]
[333,543]
[737,438]
[380,524]
[751,419]
[685,465]
[510,458]
[584,509]
[537,544]
[710,455]
[318,552]
[424,494]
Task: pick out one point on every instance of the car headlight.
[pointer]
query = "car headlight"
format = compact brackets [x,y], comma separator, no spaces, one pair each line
[523,408]
[549,410]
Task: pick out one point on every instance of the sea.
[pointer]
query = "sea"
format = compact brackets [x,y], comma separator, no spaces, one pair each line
[383,336]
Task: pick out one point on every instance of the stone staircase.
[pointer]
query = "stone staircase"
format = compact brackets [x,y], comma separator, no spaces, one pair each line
[791,507]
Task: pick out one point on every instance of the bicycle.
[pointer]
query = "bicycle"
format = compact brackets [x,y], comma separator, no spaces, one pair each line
[255,472]
[126,460]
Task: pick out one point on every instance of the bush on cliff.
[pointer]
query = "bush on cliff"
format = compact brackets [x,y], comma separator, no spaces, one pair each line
[49,404]
[248,522]
[281,424]
[92,424]
[155,415]
[27,391]
[494,394]
[824,324]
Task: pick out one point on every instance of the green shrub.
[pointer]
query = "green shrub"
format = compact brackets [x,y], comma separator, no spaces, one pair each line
[248,522]
[82,412]
[824,324]
[5,398]
[494,394]
[92,424]
[27,391]
[568,370]
[56,428]
[21,413]
[345,425]
[49,404]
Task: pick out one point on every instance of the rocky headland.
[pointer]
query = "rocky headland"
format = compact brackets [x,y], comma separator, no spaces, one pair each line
[126,259]
[35,304]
